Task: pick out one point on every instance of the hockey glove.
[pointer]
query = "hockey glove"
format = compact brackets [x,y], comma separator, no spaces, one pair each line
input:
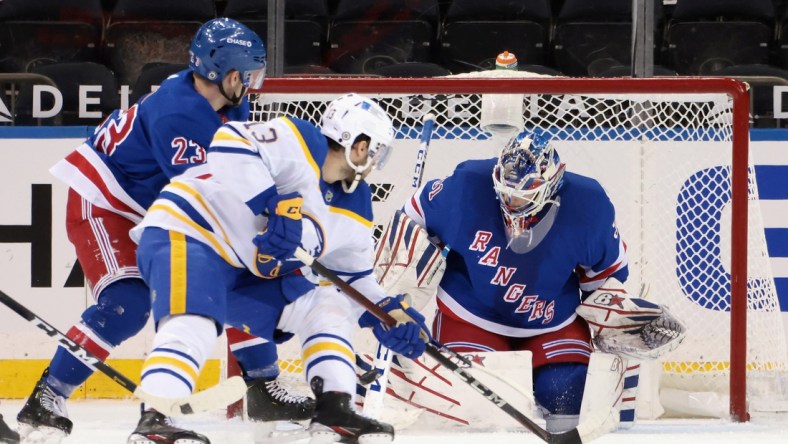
[630,326]
[408,338]
[280,238]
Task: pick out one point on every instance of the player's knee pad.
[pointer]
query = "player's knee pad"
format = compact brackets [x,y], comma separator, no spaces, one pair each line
[558,388]
[122,310]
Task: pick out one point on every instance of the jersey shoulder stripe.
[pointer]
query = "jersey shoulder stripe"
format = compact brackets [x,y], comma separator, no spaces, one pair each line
[358,218]
[188,210]
[312,143]
[356,205]
[228,140]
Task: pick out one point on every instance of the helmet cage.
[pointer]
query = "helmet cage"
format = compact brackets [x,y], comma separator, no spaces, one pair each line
[351,116]
[527,177]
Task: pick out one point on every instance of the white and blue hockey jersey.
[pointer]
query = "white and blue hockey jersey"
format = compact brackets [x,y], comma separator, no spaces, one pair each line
[518,294]
[248,163]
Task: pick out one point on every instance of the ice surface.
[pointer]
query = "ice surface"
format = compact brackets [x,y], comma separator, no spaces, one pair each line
[108,422]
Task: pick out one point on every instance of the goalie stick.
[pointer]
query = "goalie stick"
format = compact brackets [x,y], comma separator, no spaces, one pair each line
[222,394]
[582,434]
[377,377]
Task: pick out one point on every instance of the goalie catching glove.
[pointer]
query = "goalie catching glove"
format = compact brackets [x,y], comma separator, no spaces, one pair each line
[409,337]
[630,326]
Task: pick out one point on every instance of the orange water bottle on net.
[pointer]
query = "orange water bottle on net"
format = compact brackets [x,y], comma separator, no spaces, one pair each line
[506,60]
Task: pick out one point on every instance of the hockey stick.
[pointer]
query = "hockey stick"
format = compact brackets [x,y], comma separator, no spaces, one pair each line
[582,434]
[379,374]
[222,394]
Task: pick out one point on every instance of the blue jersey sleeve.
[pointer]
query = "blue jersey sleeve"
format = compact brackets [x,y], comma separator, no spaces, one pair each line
[443,202]
[605,251]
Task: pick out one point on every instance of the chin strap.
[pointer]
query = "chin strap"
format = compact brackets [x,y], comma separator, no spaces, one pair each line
[352,187]
[236,100]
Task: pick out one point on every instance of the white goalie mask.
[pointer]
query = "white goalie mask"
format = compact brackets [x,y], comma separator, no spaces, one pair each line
[351,116]
[527,177]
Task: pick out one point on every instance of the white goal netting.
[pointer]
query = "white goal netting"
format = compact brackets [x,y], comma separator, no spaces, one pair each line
[664,152]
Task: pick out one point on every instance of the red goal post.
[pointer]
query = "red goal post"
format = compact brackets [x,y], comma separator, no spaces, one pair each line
[694,130]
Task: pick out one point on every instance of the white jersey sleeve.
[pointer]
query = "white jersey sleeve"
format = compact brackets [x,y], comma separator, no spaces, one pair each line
[257,160]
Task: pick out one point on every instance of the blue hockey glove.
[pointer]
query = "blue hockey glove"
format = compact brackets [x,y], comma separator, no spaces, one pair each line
[408,338]
[282,236]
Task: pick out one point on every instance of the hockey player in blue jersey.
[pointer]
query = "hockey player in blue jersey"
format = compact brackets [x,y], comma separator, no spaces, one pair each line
[116,174]
[219,250]
[533,258]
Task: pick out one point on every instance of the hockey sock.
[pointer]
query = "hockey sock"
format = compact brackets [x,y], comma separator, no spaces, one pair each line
[558,388]
[180,348]
[121,312]
[332,359]
[256,356]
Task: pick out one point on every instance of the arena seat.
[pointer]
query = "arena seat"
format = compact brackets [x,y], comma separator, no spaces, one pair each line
[475,32]
[47,31]
[600,30]
[366,34]
[145,32]
[704,36]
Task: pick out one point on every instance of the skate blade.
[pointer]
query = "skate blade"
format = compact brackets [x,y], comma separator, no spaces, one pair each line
[274,432]
[142,439]
[320,434]
[29,434]
[375,438]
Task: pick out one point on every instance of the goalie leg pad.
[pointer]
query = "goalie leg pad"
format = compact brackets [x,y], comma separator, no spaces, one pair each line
[629,395]
[407,262]
[602,393]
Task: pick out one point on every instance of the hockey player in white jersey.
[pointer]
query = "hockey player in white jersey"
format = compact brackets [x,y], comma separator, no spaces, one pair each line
[114,176]
[219,250]
[534,259]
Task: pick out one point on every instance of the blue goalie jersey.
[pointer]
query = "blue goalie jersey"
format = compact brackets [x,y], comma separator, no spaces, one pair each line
[574,248]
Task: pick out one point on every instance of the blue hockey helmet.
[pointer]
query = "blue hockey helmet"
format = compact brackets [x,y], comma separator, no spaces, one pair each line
[526,177]
[222,45]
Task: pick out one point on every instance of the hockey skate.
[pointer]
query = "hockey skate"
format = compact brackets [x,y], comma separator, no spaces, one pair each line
[7,436]
[276,411]
[335,420]
[44,414]
[155,428]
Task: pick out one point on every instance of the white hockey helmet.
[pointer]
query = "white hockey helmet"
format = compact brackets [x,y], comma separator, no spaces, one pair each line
[351,116]
[526,177]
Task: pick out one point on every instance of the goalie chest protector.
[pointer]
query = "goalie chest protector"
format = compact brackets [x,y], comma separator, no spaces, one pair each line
[500,290]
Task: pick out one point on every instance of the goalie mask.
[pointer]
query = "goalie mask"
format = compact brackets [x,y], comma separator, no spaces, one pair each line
[351,116]
[222,45]
[527,177]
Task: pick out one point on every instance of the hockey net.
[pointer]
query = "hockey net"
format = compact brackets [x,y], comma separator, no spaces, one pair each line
[673,156]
